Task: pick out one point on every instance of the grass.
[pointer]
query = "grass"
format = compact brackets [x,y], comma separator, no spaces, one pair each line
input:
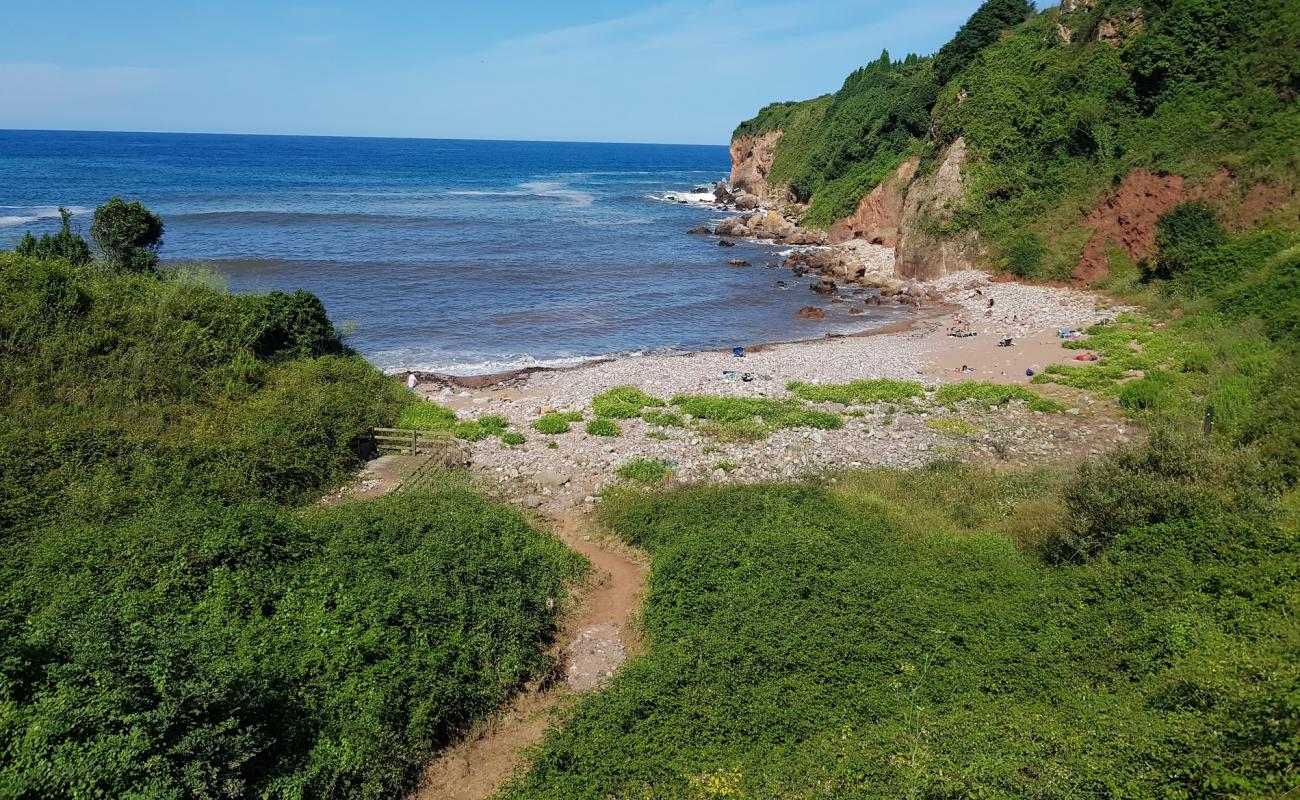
[645,471]
[863,392]
[726,466]
[603,427]
[622,402]
[556,422]
[658,436]
[513,438]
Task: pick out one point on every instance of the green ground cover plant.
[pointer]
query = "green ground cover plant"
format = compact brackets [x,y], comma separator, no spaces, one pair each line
[664,419]
[556,422]
[748,418]
[865,392]
[623,402]
[603,427]
[985,394]
[425,415]
[645,471]
[513,438]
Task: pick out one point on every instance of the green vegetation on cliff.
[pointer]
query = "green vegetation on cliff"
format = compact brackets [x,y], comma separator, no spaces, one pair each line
[174,620]
[1054,110]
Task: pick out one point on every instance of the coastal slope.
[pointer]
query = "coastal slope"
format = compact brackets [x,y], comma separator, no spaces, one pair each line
[1044,143]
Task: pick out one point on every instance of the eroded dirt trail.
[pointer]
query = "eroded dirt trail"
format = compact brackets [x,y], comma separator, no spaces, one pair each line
[594,640]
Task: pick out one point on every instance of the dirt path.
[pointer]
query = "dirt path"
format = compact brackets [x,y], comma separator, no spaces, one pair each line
[594,640]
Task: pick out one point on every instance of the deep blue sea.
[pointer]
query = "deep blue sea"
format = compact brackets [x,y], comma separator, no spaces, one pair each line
[463,256]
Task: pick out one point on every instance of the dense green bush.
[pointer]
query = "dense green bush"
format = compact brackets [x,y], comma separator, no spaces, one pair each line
[128,234]
[1182,235]
[170,625]
[878,390]
[809,642]
[62,246]
[204,651]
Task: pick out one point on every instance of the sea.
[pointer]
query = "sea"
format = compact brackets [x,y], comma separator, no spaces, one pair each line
[459,256]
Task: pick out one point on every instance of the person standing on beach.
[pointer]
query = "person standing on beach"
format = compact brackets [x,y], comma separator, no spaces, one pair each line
[410,381]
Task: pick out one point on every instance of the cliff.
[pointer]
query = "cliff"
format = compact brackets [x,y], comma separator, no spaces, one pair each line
[1045,144]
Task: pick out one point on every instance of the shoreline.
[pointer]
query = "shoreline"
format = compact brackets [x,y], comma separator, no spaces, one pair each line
[556,473]
[520,375]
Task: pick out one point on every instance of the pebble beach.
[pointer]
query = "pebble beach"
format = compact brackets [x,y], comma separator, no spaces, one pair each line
[554,473]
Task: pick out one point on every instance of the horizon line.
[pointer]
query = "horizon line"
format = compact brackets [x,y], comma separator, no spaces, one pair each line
[354,136]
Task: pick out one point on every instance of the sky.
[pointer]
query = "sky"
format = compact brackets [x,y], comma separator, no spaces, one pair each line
[677,71]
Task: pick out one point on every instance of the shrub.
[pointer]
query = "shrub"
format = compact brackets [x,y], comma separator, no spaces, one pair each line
[128,234]
[1183,234]
[1172,477]
[293,326]
[495,423]
[513,438]
[556,422]
[213,635]
[603,427]
[62,246]
[1149,393]
[622,402]
[648,471]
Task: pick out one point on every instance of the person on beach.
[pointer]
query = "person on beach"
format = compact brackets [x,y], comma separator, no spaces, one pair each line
[410,381]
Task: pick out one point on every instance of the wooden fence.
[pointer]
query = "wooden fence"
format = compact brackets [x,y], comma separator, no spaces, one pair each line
[408,440]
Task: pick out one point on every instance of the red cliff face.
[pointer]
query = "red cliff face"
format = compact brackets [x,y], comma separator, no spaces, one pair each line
[1126,218]
[878,215]
[751,161]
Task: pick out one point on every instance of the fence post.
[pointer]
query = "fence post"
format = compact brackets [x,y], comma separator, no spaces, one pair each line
[1208,426]
[415,443]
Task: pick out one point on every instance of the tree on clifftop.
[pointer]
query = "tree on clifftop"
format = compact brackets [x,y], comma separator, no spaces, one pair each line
[980,31]
[128,235]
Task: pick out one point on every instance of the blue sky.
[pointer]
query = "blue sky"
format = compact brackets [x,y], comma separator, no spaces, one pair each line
[670,71]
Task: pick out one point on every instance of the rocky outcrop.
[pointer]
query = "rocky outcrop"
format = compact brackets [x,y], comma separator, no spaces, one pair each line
[923,252]
[878,215]
[751,161]
[1114,30]
[1126,218]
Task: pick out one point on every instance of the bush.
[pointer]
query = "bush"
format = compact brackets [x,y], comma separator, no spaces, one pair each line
[62,246]
[128,234]
[210,651]
[1183,234]
[1170,478]
[426,415]
[742,413]
[603,427]
[622,402]
[513,438]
